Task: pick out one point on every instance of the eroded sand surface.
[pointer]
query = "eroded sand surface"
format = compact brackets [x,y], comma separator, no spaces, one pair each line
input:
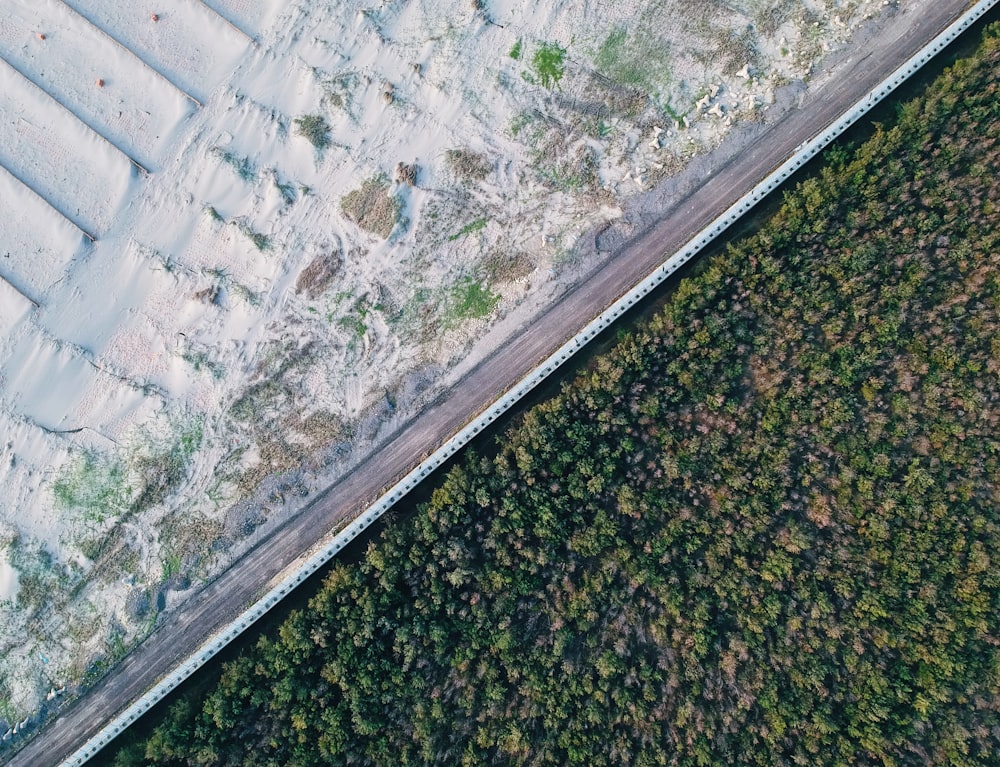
[258,309]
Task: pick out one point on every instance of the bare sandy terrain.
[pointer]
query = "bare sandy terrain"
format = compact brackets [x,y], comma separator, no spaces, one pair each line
[308,225]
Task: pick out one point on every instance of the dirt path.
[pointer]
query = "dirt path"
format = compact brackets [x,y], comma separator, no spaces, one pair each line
[222,600]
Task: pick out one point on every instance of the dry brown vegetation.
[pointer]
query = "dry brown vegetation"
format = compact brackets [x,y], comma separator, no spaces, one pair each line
[373,207]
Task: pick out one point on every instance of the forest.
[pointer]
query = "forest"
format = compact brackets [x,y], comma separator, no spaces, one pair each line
[758,531]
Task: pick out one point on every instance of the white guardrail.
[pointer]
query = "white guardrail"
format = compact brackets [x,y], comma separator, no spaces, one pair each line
[806,151]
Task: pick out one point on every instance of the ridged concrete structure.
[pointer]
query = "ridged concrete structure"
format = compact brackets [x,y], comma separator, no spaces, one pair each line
[323,555]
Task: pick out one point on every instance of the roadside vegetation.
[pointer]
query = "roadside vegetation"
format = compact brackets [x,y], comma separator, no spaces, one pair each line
[759,531]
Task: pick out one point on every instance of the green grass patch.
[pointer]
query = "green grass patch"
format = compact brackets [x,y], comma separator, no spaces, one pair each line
[103,487]
[549,64]
[476,226]
[94,485]
[515,51]
[353,324]
[636,60]
[469,300]
[171,565]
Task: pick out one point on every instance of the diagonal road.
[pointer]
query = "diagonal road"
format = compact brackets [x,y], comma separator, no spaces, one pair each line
[223,599]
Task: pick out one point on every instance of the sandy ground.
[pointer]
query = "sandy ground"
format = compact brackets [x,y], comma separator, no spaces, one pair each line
[259,308]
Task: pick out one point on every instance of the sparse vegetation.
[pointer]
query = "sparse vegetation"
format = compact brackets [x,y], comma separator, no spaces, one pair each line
[161,461]
[467,164]
[770,18]
[355,320]
[104,487]
[638,60]
[339,89]
[739,49]
[243,166]
[519,122]
[562,168]
[315,129]
[373,207]
[287,191]
[38,577]
[271,415]
[500,266]
[201,360]
[475,226]
[95,486]
[260,241]
[186,544]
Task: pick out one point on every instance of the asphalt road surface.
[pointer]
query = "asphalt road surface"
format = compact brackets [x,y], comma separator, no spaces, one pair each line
[222,600]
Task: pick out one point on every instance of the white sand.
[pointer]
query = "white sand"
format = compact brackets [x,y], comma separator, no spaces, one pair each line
[113,355]
[8,582]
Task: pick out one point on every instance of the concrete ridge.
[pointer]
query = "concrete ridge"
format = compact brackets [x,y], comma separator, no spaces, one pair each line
[806,151]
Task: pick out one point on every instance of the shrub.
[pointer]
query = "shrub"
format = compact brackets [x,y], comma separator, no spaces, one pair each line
[467,164]
[315,128]
[548,64]
[373,208]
